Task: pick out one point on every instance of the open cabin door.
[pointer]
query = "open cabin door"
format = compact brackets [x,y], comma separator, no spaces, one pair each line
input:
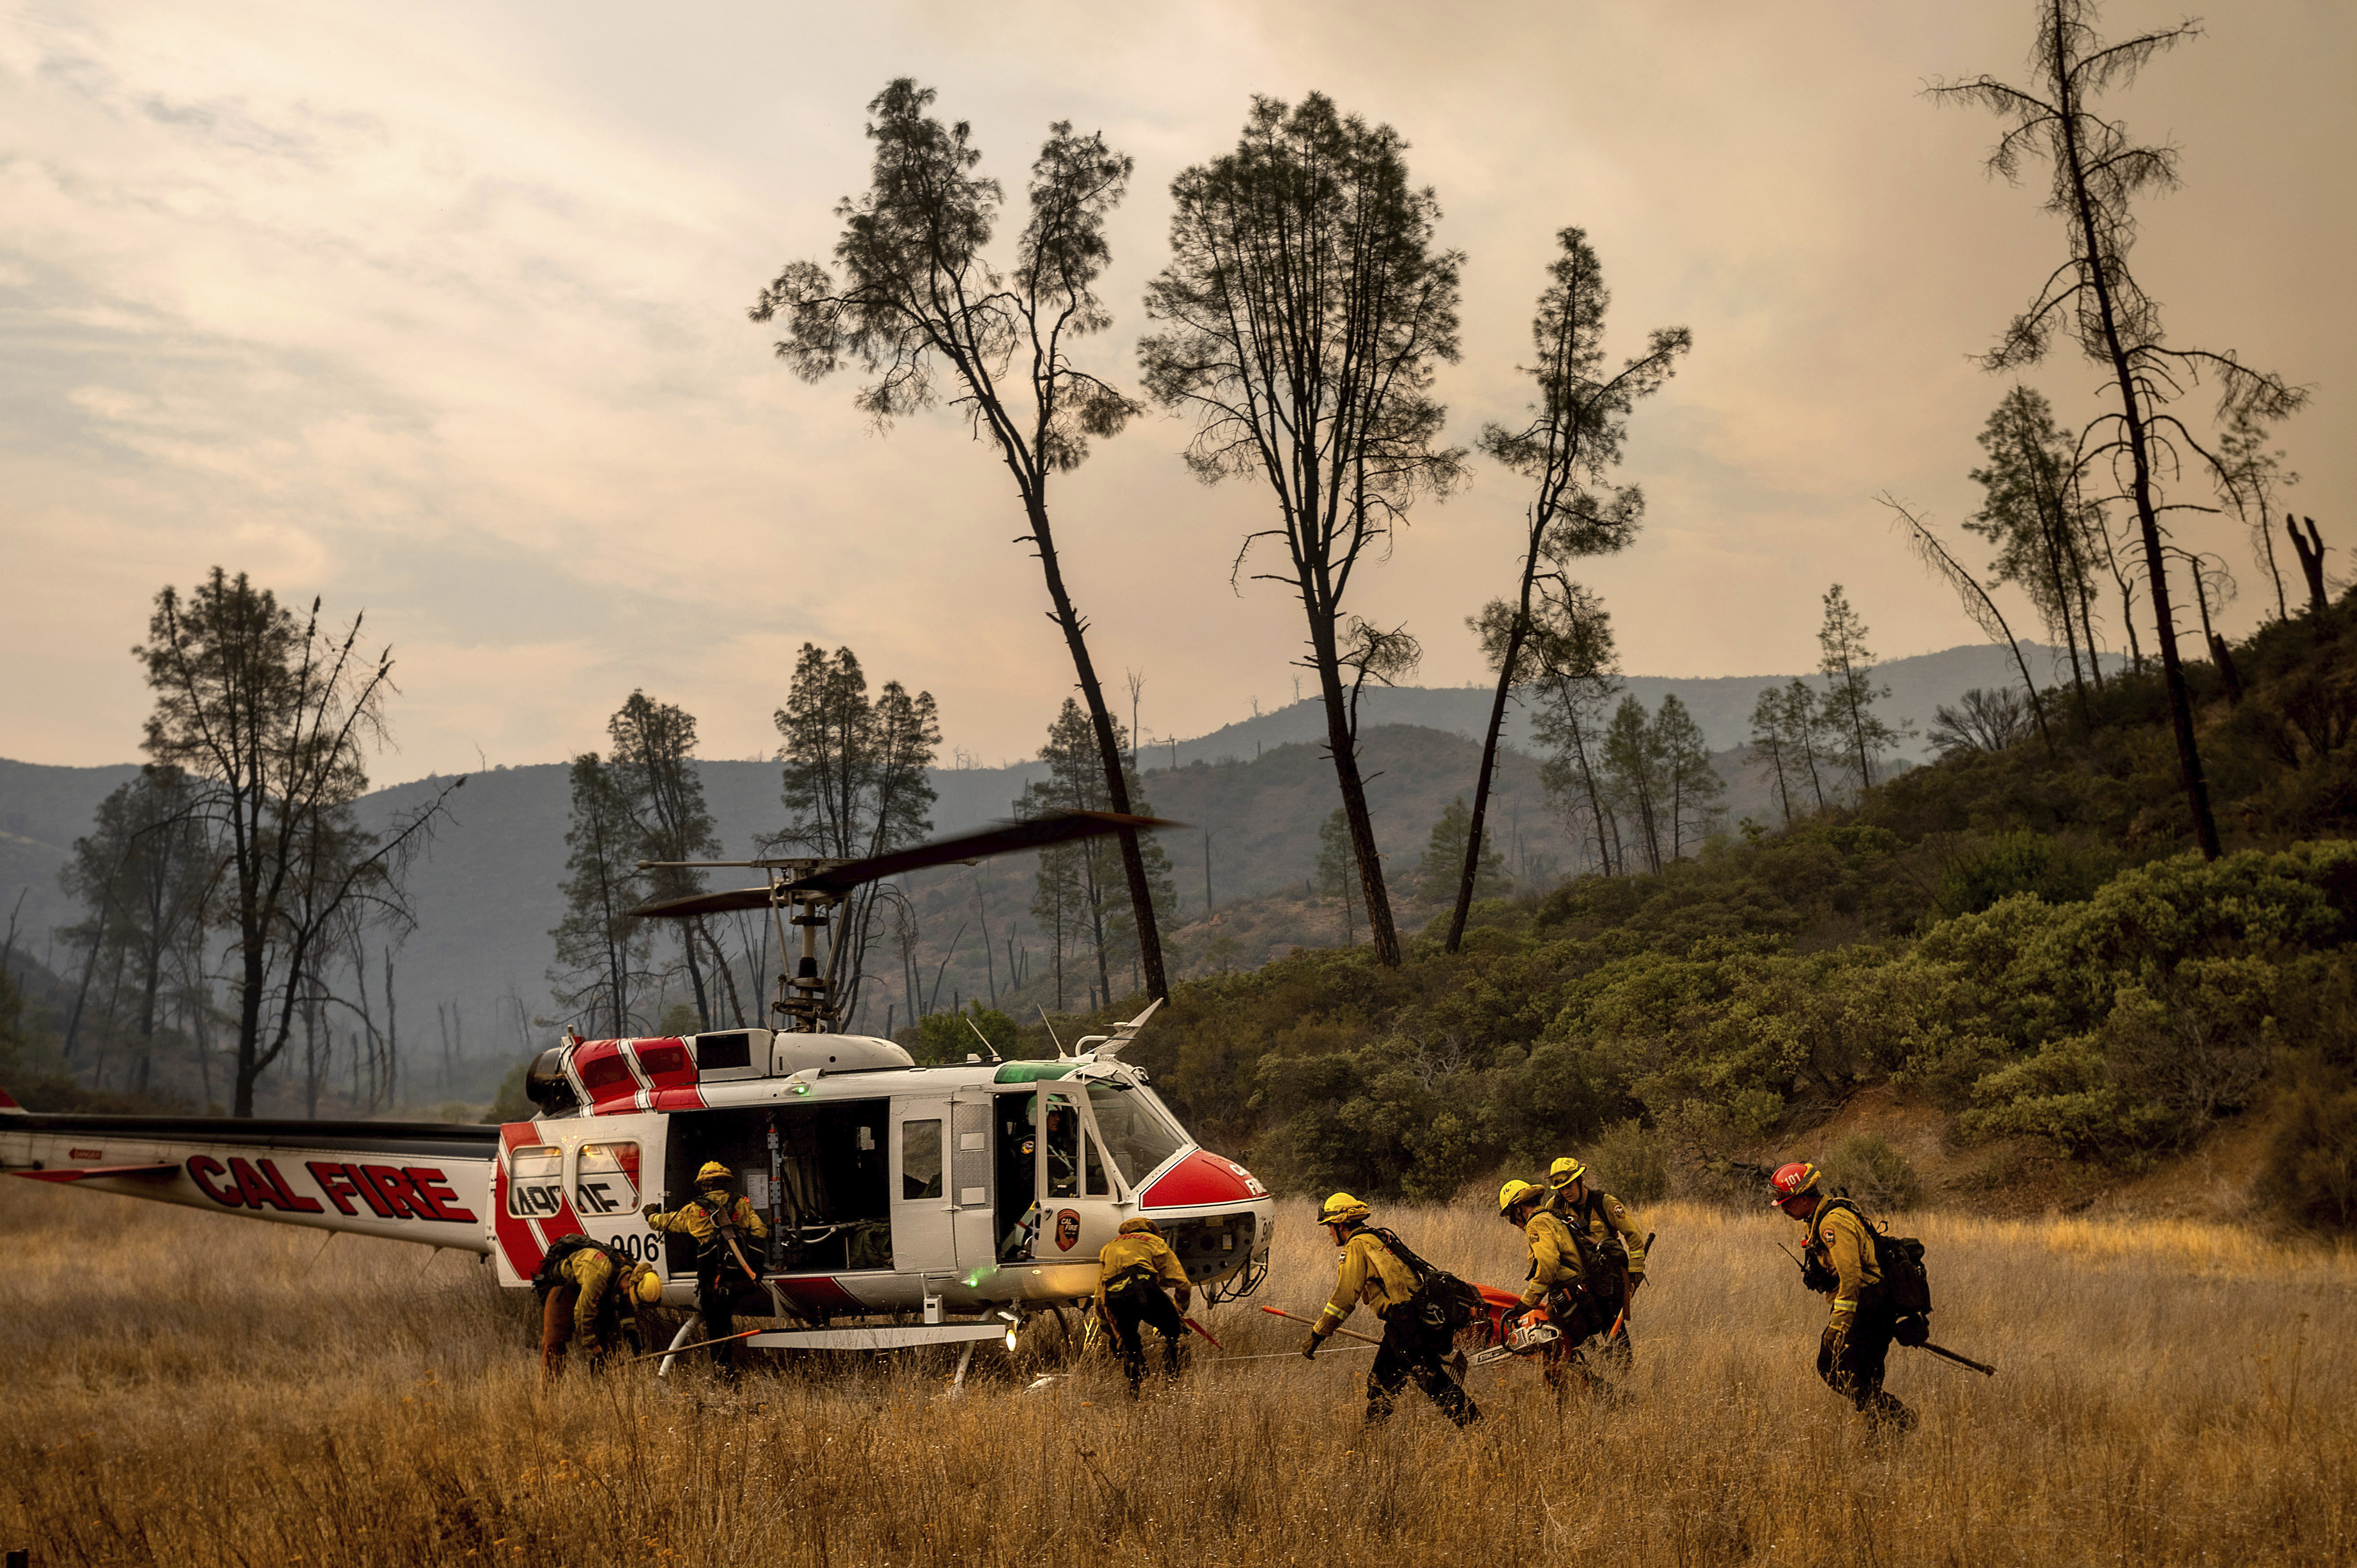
[972,1163]
[923,1238]
[1079,1198]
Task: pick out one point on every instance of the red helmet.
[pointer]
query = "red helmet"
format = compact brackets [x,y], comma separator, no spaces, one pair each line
[1790,1182]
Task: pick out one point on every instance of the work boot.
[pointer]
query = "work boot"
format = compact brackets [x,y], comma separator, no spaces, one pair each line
[1886,1417]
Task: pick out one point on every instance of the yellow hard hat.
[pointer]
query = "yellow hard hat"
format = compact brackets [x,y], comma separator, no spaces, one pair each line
[647,1286]
[714,1171]
[1515,1192]
[1342,1209]
[1565,1171]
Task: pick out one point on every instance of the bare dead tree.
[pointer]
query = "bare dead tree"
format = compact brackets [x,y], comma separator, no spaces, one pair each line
[2097,171]
[1975,599]
[272,718]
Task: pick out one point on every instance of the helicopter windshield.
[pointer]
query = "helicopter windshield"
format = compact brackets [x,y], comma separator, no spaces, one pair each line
[1137,1134]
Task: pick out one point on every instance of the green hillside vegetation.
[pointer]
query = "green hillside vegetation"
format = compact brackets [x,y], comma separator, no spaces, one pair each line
[2021,937]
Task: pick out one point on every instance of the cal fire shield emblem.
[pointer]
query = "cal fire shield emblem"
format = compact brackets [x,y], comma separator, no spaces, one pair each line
[1068,1228]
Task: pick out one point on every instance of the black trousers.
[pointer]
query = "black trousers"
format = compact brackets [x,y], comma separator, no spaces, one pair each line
[716,1301]
[1851,1357]
[1413,1349]
[1131,1310]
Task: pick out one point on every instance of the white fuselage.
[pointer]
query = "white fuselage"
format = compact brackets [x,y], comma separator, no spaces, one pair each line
[887,1187]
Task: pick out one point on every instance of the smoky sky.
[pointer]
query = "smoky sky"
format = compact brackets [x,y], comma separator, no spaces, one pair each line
[438,312]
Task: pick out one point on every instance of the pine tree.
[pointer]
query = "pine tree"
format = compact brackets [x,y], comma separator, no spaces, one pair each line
[921,307]
[1769,749]
[1848,667]
[2048,542]
[653,765]
[1445,855]
[1571,650]
[1692,789]
[602,954]
[1079,882]
[1635,774]
[855,783]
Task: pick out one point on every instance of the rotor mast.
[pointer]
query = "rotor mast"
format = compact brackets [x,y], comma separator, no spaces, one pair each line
[805,999]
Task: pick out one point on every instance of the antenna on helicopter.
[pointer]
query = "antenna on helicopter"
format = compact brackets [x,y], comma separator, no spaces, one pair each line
[983,1037]
[1051,1033]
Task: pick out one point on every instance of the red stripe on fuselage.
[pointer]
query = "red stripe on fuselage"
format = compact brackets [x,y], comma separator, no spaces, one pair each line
[607,1073]
[517,1243]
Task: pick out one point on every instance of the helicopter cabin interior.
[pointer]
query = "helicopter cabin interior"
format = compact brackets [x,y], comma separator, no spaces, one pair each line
[832,1212]
[920,1181]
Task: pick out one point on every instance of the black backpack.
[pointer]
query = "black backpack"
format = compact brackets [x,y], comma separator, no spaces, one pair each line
[1905,1283]
[544,1278]
[1441,1299]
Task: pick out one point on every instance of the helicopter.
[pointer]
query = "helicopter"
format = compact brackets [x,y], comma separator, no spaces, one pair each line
[908,1204]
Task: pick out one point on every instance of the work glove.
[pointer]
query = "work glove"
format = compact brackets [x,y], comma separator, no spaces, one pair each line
[1912,1329]
[650,1210]
[1635,1280]
[1309,1346]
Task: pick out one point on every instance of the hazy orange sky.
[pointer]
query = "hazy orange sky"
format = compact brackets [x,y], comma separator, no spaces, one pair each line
[439,311]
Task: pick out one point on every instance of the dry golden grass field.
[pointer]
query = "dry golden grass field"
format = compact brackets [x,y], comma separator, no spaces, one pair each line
[186,1389]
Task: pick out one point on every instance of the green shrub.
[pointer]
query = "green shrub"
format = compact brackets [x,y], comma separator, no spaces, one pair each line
[2312,1169]
[954,1036]
[1874,1173]
[1629,1162]
[2022,862]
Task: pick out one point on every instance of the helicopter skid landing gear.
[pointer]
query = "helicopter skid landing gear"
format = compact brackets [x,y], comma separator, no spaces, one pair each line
[957,1379]
[679,1342]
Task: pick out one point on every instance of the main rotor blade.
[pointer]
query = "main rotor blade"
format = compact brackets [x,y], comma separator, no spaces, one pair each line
[704,904]
[1006,838]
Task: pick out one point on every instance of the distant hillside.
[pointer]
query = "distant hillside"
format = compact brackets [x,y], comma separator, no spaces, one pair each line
[1721,705]
[1255,792]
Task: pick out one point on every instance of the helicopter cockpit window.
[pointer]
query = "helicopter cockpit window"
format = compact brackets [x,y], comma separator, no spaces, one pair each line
[1138,1135]
[1092,1170]
[535,1181]
[607,1179]
[920,1159]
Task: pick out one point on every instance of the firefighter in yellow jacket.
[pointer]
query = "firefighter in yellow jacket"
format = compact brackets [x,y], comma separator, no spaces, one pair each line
[1605,1221]
[1557,1278]
[725,1226]
[1838,1261]
[585,1291]
[1414,1338]
[1555,1254]
[1131,1272]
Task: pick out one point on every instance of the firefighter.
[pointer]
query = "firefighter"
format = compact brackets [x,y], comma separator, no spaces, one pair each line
[724,1225]
[1838,1261]
[1131,1272]
[1414,1338]
[586,1290]
[1603,1221]
[1556,1264]
[1557,1279]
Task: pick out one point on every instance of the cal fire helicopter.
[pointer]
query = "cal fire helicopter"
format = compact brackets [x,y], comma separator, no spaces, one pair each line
[908,1204]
